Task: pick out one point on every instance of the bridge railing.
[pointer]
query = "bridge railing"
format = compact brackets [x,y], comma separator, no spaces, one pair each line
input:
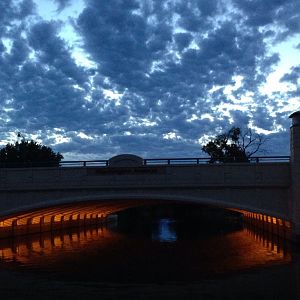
[269,159]
[146,162]
[174,161]
[84,163]
[206,160]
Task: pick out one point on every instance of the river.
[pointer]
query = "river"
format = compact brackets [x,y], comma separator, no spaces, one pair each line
[164,258]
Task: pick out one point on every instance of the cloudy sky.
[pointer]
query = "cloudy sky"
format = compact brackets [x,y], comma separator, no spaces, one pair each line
[96,78]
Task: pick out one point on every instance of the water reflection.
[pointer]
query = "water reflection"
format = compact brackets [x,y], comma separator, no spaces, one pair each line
[165,232]
[105,254]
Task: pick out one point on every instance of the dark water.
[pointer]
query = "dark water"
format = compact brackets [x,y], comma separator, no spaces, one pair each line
[161,252]
[173,258]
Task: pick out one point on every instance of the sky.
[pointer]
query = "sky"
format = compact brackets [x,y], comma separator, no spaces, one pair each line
[97,78]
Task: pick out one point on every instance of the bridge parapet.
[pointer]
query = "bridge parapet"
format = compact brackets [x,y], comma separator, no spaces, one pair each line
[227,175]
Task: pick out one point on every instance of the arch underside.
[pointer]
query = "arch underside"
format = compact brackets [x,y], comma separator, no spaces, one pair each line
[68,211]
[100,206]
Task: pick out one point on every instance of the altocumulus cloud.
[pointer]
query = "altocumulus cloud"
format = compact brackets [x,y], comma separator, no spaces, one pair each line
[154,78]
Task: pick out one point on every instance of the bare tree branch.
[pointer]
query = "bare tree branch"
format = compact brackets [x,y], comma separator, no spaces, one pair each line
[234,146]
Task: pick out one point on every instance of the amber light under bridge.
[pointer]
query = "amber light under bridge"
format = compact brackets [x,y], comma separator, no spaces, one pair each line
[62,216]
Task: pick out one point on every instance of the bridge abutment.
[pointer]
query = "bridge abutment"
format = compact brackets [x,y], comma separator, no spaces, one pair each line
[295,173]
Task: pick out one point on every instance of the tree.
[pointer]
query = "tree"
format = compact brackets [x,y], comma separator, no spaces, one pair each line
[233,146]
[27,154]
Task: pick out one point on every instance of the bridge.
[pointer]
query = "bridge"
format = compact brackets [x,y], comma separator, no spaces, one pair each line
[78,193]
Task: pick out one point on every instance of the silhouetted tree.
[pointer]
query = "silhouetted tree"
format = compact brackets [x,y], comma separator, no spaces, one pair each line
[27,154]
[233,146]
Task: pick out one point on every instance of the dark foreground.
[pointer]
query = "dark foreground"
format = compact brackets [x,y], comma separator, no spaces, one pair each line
[273,283]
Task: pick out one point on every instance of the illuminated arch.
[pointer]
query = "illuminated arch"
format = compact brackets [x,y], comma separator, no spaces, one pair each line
[88,210]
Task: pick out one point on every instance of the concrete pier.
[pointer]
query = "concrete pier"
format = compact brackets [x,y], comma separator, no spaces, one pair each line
[295,173]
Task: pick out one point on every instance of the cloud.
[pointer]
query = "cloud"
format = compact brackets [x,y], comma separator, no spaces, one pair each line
[293,76]
[26,8]
[11,11]
[280,14]
[62,4]
[162,74]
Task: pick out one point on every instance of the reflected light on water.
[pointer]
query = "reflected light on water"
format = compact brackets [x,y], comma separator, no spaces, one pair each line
[165,231]
[82,253]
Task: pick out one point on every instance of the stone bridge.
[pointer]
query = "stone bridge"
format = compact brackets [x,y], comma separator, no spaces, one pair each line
[37,199]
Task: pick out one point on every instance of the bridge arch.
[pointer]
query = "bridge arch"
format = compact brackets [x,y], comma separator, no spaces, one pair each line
[83,210]
[132,200]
